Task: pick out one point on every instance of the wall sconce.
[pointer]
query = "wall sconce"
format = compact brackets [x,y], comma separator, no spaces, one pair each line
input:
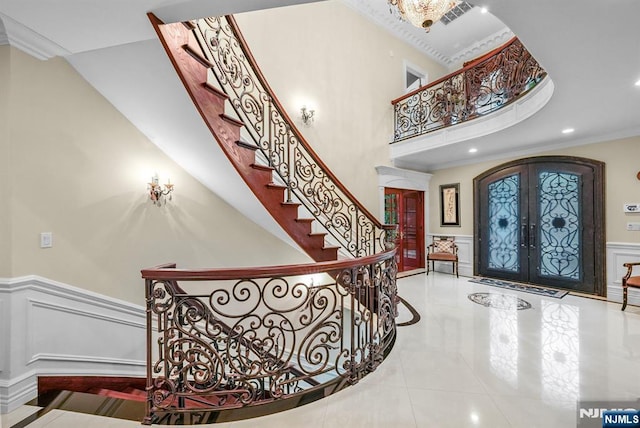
[157,192]
[306,115]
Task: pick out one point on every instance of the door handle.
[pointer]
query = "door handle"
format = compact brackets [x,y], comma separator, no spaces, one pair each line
[532,236]
[524,237]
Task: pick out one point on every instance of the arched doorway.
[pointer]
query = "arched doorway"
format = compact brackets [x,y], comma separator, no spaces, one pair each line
[541,221]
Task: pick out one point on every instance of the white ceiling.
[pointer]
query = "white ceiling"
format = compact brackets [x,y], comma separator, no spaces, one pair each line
[591,51]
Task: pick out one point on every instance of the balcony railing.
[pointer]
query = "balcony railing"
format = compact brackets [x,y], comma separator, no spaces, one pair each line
[481,87]
[222,339]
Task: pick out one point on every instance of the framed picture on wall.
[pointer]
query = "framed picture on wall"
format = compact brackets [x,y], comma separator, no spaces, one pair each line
[450,204]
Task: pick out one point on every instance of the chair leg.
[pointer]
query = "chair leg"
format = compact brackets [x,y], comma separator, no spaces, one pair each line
[624,296]
[456,264]
[427,267]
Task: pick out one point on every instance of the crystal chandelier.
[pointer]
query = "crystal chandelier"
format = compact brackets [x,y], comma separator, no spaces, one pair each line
[422,13]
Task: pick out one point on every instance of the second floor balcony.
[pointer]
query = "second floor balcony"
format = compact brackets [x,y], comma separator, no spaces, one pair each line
[493,92]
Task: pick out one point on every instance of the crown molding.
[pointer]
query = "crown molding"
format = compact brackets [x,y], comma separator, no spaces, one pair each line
[475,50]
[29,41]
[398,28]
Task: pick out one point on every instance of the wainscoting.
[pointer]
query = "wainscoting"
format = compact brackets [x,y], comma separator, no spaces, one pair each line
[465,254]
[618,253]
[48,328]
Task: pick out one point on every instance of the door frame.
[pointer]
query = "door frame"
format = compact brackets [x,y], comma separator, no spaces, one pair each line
[420,225]
[398,178]
[598,210]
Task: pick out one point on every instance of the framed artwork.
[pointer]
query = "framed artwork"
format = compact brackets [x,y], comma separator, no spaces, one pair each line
[450,204]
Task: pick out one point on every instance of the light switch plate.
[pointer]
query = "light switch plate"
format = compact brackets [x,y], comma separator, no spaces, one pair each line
[46,240]
[632,208]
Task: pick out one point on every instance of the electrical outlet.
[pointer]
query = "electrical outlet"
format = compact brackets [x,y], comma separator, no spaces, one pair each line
[46,240]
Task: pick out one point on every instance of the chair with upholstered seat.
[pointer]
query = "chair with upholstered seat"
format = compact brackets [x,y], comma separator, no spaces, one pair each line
[629,281]
[443,249]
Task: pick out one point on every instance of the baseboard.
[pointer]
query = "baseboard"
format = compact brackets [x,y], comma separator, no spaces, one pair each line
[54,329]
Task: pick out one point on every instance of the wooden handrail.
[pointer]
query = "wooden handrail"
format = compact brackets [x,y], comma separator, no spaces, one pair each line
[472,64]
[168,272]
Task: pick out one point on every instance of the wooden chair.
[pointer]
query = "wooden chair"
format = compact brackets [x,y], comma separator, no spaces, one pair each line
[629,281]
[443,249]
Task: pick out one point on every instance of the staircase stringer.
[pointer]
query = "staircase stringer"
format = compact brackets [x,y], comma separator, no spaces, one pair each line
[349,224]
[193,70]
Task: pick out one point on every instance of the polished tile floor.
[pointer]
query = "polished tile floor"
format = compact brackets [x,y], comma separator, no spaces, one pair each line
[467,365]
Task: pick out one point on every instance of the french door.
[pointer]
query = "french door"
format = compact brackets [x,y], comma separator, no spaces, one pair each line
[540,220]
[406,209]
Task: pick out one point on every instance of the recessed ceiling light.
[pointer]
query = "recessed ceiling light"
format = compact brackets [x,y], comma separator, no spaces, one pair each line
[568,130]
[484,10]
[638,83]
[473,150]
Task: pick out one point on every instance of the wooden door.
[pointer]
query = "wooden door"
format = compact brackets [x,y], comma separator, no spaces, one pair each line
[540,221]
[406,209]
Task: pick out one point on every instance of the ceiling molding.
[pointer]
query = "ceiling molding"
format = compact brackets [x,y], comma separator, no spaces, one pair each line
[4,40]
[29,41]
[398,28]
[481,47]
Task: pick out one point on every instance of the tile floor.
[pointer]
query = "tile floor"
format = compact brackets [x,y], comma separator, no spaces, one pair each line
[466,365]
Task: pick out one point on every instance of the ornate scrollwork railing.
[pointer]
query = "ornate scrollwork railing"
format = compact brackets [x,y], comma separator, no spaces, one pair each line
[483,86]
[307,178]
[254,336]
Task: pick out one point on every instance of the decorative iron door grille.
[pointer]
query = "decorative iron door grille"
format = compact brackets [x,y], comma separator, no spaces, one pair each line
[539,220]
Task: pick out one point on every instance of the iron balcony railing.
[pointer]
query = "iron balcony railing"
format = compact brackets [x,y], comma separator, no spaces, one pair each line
[481,87]
[222,339]
[307,177]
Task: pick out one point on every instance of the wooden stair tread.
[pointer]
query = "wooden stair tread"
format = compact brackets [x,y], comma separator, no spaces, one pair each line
[246,145]
[208,86]
[231,120]
[276,186]
[305,220]
[117,394]
[262,167]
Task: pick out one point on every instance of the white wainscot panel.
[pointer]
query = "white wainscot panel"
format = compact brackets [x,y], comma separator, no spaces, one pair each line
[59,332]
[619,253]
[50,328]
[465,255]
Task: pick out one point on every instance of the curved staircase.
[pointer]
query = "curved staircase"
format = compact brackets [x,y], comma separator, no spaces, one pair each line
[263,144]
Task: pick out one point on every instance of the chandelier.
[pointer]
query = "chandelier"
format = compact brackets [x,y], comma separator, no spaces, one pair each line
[422,13]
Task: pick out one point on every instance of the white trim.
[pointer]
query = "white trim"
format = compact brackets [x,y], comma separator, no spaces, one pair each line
[30,42]
[619,253]
[465,254]
[404,179]
[422,75]
[53,328]
[86,359]
[480,47]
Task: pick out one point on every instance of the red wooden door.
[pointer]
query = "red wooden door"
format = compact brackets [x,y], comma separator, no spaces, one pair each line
[406,209]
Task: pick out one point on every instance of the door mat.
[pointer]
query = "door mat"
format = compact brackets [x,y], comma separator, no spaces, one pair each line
[548,292]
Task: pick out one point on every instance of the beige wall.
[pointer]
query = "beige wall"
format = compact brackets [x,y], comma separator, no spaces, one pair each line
[350,69]
[5,198]
[79,170]
[621,159]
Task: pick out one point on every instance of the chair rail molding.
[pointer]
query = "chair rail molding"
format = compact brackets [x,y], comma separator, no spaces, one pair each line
[619,253]
[51,328]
